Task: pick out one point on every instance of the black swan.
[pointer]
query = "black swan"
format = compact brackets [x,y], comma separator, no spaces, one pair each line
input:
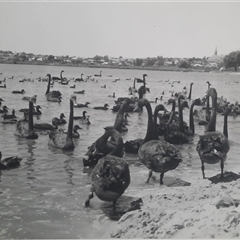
[25,129]
[58,138]
[190,92]
[132,146]
[19,92]
[9,162]
[98,75]
[52,94]
[111,176]
[79,79]
[105,107]
[58,78]
[9,116]
[213,146]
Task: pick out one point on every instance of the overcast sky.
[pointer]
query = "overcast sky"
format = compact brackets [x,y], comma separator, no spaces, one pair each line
[127,29]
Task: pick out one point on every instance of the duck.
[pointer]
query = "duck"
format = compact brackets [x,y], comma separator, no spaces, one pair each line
[79,79]
[153,101]
[58,138]
[213,146]
[9,116]
[111,175]
[37,111]
[104,86]
[98,75]
[80,117]
[3,86]
[25,128]
[75,133]
[19,92]
[4,109]
[60,120]
[80,92]
[73,86]
[33,98]
[105,107]
[81,105]
[53,99]
[113,95]
[51,94]
[46,126]
[9,162]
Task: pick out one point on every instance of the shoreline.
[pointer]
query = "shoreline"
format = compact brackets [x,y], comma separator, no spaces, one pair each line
[201,210]
[162,68]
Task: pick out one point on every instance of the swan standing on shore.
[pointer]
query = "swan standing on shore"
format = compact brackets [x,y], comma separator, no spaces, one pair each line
[213,146]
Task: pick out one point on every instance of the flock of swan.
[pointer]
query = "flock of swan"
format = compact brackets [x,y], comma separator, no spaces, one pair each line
[158,150]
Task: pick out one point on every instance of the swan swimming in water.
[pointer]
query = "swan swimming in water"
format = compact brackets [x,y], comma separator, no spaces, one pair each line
[60,120]
[51,94]
[9,162]
[58,138]
[25,129]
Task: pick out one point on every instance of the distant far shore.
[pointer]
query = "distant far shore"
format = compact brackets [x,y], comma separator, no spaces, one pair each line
[161,68]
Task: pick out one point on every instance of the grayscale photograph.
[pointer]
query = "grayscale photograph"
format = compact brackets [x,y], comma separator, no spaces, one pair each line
[119,119]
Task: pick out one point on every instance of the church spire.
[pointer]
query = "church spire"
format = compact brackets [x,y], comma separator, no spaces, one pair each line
[215,53]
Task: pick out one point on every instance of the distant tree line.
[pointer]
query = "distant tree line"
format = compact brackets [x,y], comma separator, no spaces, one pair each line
[232,60]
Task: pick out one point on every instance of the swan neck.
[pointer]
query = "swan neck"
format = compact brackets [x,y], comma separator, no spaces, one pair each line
[212,122]
[48,86]
[181,118]
[207,110]
[190,92]
[119,118]
[150,128]
[30,119]
[225,125]
[191,122]
[70,123]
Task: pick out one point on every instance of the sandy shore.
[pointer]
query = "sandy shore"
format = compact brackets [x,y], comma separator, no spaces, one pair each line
[201,210]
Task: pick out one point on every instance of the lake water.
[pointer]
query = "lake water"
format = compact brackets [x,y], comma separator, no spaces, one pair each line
[44,196]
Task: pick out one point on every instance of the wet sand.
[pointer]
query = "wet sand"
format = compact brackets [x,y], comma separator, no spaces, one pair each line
[201,210]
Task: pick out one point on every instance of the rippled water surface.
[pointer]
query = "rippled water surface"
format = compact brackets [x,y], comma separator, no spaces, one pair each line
[44,197]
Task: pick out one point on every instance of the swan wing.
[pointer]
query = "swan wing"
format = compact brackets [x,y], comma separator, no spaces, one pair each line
[211,143]
[159,156]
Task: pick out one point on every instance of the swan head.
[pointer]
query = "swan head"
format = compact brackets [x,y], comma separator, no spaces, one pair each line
[212,92]
[184,104]
[142,102]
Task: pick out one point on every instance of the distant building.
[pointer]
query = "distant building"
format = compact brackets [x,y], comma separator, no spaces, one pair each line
[215,59]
